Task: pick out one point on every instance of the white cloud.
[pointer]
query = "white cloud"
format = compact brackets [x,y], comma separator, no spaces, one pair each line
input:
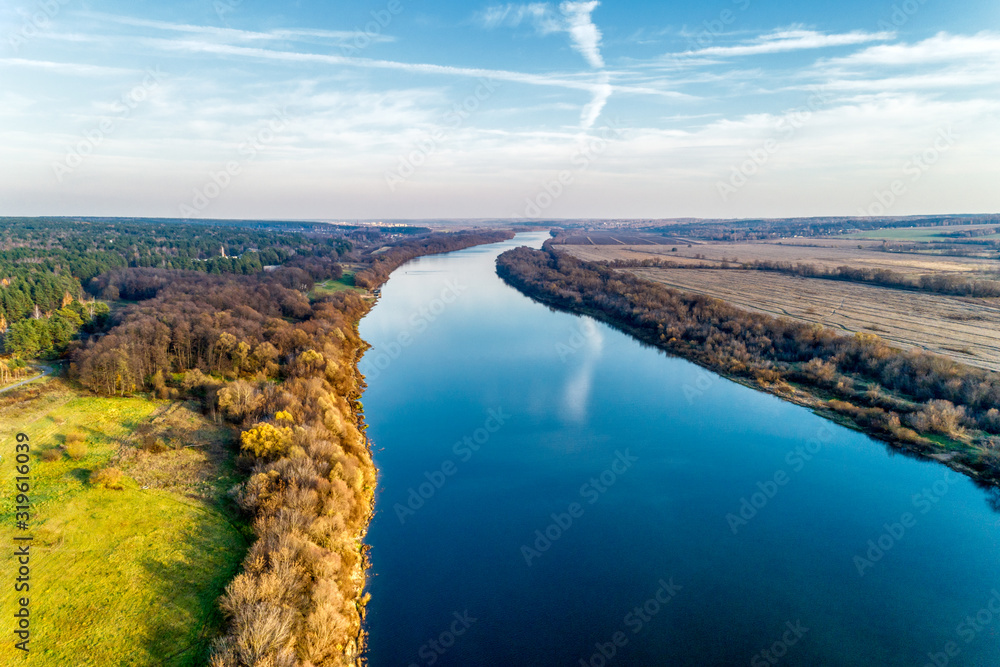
[572,18]
[781,41]
[941,48]
[601,92]
[231,34]
[511,16]
[72,69]
[585,35]
[576,20]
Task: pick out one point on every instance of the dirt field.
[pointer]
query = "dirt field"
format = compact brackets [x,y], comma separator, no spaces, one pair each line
[620,238]
[831,254]
[966,332]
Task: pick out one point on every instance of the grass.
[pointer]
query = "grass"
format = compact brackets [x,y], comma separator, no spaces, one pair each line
[915,234]
[123,577]
[346,282]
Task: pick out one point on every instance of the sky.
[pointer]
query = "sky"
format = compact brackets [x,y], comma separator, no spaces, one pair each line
[421,109]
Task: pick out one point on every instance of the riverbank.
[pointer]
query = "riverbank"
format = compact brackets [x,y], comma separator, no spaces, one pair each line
[837,377]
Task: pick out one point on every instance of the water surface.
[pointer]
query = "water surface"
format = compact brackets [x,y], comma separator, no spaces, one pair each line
[545,478]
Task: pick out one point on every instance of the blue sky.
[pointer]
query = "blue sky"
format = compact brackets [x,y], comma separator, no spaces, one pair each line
[421,109]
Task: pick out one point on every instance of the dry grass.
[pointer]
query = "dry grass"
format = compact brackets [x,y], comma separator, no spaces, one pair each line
[826,253]
[181,451]
[957,328]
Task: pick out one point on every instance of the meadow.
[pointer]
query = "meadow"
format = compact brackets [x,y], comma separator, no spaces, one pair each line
[127,576]
[343,284]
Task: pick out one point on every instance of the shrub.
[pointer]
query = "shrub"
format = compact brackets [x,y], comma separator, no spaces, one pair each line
[51,455]
[939,417]
[991,421]
[76,446]
[109,478]
[154,445]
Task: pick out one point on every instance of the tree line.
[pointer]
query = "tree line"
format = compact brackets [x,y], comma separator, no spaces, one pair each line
[911,398]
[281,369]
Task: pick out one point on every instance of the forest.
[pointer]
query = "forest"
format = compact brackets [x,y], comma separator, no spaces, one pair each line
[50,267]
[918,401]
[254,351]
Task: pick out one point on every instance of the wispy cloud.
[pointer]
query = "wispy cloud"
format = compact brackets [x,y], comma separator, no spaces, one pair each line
[72,69]
[601,91]
[941,48]
[229,34]
[781,41]
[511,16]
[550,80]
[576,20]
[573,18]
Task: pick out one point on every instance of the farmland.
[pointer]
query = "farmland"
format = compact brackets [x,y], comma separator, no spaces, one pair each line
[960,329]
[130,575]
[826,253]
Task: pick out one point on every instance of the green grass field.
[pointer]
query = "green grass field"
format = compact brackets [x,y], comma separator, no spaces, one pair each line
[127,577]
[346,282]
[913,234]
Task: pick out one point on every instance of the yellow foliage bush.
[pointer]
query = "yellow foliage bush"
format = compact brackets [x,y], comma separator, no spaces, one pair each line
[109,478]
[266,440]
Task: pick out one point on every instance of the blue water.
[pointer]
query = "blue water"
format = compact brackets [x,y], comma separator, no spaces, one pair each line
[493,417]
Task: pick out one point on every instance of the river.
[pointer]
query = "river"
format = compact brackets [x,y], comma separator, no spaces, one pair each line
[553,492]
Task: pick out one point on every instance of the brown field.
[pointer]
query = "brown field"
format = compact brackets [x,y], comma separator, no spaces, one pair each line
[620,238]
[963,330]
[828,253]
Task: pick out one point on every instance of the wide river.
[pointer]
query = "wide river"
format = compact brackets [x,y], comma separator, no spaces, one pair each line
[553,492]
